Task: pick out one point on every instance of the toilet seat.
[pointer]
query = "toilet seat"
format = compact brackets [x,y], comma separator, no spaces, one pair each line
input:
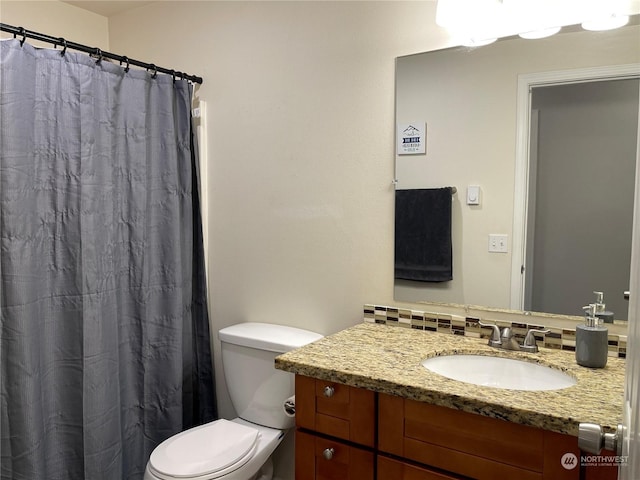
[206,452]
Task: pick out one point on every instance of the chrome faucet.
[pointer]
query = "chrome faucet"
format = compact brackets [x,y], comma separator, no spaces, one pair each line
[506,340]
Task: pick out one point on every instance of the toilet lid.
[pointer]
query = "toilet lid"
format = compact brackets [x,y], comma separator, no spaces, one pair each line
[215,448]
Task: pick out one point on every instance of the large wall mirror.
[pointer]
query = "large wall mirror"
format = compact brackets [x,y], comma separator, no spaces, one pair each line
[573,190]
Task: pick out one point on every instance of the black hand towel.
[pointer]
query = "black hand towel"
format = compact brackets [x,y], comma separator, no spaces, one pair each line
[423,235]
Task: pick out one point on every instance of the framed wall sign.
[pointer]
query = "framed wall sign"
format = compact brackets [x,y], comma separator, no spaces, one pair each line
[412,138]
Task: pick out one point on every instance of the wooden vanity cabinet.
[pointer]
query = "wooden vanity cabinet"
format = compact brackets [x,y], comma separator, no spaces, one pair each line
[335,431]
[348,433]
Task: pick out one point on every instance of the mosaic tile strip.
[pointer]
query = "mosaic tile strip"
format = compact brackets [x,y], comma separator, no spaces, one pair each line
[556,338]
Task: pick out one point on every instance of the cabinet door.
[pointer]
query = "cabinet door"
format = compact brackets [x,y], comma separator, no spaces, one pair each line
[391,469]
[319,458]
[337,410]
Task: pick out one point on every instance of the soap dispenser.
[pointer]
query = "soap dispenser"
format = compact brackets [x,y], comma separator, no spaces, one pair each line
[591,340]
[601,312]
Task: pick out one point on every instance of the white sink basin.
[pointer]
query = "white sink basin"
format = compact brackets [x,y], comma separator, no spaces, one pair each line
[499,372]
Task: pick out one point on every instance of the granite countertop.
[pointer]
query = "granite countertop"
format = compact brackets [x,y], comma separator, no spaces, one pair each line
[387,359]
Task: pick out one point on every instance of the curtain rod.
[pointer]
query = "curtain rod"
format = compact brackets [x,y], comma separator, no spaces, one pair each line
[93,51]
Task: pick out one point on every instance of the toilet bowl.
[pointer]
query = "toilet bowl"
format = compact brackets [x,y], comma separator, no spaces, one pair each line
[238,449]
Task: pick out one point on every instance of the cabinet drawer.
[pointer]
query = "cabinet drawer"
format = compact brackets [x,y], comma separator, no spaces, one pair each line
[319,458]
[336,410]
[459,442]
[390,469]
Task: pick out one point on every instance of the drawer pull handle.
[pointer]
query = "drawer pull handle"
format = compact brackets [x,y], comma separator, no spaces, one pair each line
[328,453]
[329,391]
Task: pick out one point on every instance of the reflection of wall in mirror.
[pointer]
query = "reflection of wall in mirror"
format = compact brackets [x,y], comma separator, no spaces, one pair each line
[468,99]
[585,171]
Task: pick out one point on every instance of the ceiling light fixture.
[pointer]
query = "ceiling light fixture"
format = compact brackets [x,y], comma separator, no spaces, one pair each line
[608,22]
[487,19]
[542,33]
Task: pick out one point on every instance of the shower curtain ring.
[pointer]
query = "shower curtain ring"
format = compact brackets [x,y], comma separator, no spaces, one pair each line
[63,42]
[125,59]
[155,70]
[173,75]
[22,32]
[99,55]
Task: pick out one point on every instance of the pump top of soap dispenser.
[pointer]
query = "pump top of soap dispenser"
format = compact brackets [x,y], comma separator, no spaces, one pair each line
[599,302]
[590,319]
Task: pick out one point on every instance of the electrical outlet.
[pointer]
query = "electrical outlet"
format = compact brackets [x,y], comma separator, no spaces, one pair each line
[498,243]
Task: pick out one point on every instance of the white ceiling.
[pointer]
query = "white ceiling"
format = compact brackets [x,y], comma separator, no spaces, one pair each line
[108,8]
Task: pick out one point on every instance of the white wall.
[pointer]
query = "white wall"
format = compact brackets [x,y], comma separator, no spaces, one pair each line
[56,19]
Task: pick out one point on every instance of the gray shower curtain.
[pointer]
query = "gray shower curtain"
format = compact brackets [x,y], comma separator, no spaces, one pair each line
[104,337]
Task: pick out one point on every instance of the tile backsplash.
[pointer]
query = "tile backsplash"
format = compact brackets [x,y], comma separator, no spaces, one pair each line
[558,338]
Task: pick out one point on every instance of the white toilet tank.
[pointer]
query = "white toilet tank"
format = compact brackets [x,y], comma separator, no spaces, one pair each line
[257,389]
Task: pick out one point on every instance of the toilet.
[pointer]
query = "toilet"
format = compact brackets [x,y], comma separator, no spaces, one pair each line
[238,449]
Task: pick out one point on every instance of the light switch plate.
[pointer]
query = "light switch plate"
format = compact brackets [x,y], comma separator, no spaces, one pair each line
[473,195]
[498,243]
